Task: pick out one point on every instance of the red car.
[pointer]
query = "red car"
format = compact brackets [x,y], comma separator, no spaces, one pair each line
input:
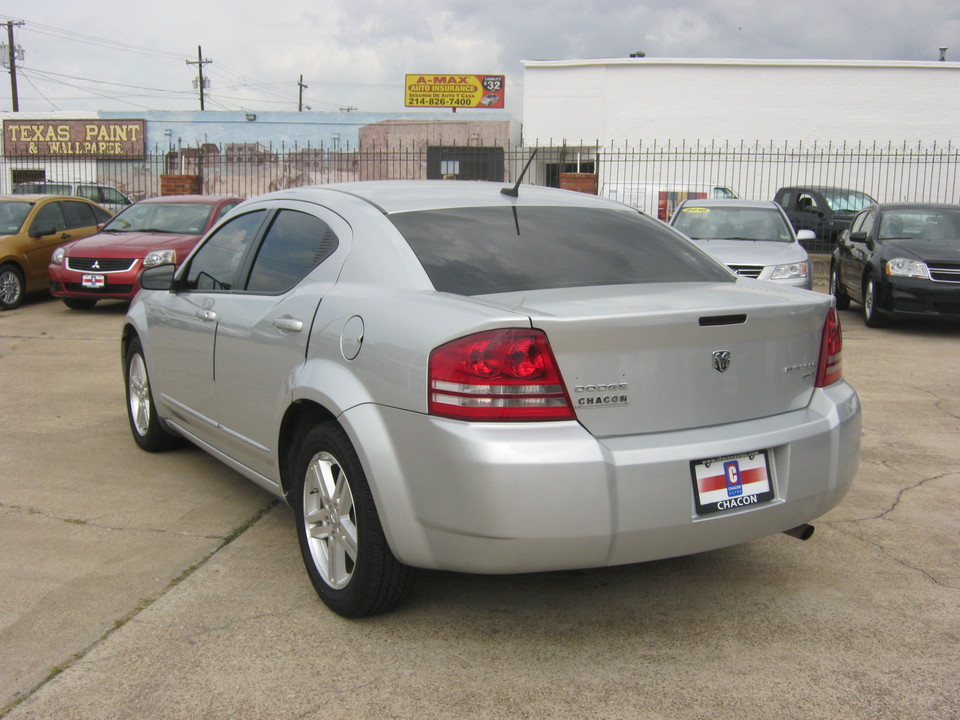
[151,232]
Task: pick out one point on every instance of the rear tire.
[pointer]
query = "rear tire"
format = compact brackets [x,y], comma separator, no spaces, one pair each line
[11,286]
[341,538]
[79,303]
[148,432]
[836,288]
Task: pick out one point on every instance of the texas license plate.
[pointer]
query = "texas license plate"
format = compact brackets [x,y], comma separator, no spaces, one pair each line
[93,281]
[731,482]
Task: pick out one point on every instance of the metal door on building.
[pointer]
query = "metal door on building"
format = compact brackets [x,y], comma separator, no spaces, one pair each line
[465,163]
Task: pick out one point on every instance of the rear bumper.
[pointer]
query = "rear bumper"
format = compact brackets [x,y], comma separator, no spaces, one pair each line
[506,498]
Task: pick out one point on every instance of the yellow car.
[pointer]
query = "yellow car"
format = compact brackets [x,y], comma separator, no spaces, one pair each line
[31,228]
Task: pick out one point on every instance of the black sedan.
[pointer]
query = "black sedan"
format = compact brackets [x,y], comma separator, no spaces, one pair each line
[899,259]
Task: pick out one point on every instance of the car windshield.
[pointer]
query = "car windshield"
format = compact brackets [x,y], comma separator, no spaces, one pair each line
[927,224]
[474,251]
[732,223]
[12,215]
[849,200]
[186,218]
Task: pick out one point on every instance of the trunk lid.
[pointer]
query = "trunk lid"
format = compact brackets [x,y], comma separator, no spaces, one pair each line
[663,357]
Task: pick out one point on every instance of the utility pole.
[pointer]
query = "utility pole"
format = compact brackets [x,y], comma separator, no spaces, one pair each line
[301,86]
[200,62]
[13,65]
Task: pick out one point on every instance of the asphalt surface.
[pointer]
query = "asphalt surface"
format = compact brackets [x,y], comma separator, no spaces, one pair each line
[166,586]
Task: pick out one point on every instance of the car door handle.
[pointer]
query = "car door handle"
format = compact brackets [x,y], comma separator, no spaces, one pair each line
[207,315]
[66,236]
[288,324]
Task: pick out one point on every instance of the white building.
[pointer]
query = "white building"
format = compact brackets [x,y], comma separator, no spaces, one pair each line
[640,100]
[652,131]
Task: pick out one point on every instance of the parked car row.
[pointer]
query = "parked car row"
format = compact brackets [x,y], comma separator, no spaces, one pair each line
[82,254]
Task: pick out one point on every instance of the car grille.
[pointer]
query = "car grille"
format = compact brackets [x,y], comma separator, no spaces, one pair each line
[945,272]
[123,289]
[103,265]
[750,271]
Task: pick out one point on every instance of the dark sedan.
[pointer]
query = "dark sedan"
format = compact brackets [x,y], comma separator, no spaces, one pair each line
[899,259]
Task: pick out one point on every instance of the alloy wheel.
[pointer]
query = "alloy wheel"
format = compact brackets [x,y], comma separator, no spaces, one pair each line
[330,520]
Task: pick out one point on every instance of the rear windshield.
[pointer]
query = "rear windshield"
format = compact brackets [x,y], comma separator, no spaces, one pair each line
[475,251]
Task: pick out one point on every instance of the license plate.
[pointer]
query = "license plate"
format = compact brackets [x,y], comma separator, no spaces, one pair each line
[731,482]
[93,281]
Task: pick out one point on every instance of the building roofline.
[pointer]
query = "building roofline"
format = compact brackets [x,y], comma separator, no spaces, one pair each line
[930,64]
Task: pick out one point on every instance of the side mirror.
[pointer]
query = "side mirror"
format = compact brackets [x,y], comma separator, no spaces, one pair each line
[806,235]
[157,278]
[38,231]
[859,236]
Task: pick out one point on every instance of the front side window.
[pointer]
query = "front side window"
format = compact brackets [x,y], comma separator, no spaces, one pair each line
[50,215]
[473,251]
[218,263]
[847,200]
[295,244]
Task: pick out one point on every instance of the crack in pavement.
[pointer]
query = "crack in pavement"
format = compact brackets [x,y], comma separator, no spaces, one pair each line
[99,526]
[79,656]
[883,515]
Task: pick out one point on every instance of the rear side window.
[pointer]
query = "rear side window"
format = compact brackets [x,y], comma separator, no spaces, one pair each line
[78,214]
[294,245]
[475,251]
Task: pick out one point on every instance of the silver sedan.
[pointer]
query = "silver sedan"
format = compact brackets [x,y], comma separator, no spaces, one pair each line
[753,238]
[453,376]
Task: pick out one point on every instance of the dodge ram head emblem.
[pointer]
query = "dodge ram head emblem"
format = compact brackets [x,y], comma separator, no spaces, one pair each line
[721,360]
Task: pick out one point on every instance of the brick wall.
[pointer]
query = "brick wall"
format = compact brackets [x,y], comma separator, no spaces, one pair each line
[179,184]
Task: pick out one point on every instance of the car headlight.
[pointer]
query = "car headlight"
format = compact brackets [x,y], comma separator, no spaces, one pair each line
[160,257]
[792,271]
[58,255]
[905,267]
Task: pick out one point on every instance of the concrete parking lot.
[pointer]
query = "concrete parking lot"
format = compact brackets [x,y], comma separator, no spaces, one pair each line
[166,586]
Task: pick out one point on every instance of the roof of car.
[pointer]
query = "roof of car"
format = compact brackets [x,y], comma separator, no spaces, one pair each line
[917,206]
[822,188]
[392,196]
[203,199]
[36,197]
[754,204]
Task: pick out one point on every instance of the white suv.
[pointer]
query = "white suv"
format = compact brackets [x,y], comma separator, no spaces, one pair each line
[104,195]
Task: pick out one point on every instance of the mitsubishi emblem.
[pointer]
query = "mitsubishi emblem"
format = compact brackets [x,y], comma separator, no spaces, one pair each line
[96,265]
[721,360]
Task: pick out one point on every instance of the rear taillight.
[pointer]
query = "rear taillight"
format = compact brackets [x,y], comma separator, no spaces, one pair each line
[498,375]
[830,367]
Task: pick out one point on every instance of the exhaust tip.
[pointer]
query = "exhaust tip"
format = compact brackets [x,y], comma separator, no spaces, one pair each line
[802,532]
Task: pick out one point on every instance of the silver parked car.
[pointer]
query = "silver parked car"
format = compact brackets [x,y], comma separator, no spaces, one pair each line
[447,375]
[753,238]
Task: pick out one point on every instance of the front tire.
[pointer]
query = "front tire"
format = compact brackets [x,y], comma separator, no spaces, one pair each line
[872,317]
[11,287]
[341,538]
[147,430]
[79,303]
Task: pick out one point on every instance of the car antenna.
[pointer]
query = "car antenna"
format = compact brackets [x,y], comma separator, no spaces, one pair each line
[515,190]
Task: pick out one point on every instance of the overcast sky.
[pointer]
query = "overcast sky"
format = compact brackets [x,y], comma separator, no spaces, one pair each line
[96,55]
